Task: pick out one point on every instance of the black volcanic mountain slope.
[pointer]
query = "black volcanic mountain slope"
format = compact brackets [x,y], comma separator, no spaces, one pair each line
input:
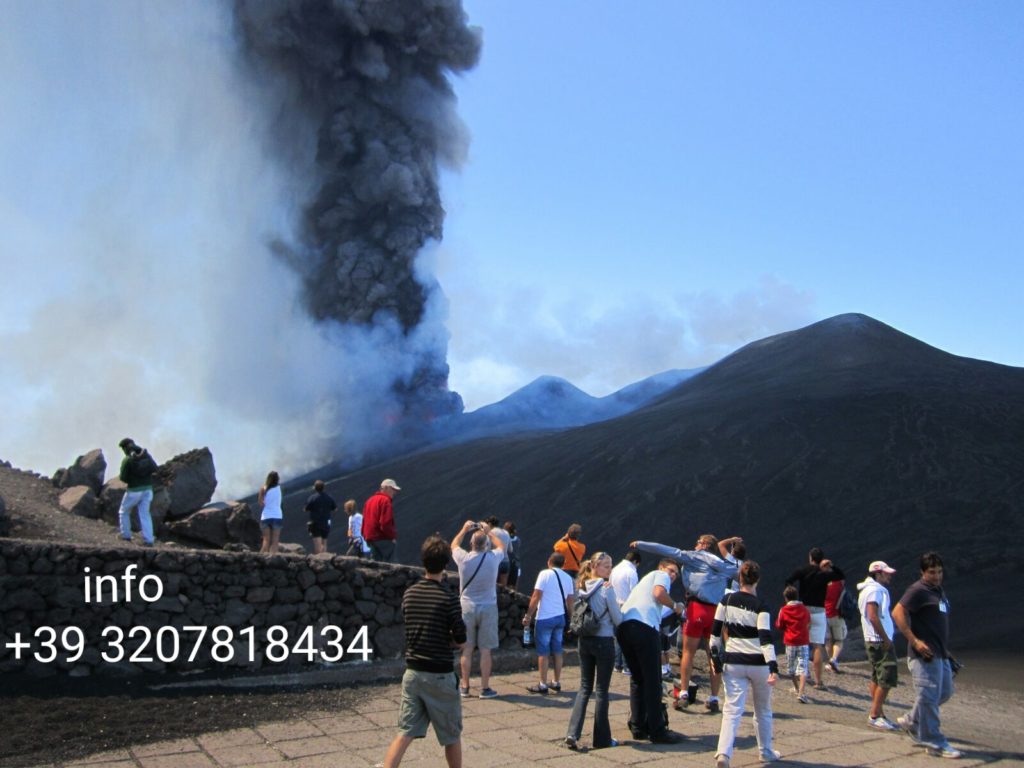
[846,434]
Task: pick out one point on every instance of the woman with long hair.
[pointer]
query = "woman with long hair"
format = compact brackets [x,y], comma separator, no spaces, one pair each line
[747,658]
[597,652]
[271,515]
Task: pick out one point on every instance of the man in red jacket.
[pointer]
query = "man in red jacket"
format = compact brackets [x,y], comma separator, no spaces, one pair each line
[379,522]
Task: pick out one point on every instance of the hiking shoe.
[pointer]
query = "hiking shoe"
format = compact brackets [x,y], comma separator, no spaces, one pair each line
[712,706]
[464,693]
[802,698]
[721,761]
[771,756]
[882,723]
[539,688]
[488,693]
[680,704]
[556,687]
[570,743]
[667,737]
[834,666]
[903,721]
[945,751]
[637,732]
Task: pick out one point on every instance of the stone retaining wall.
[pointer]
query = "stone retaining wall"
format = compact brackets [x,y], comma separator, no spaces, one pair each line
[51,599]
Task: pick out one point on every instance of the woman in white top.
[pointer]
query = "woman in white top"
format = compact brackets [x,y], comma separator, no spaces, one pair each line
[271,516]
[357,546]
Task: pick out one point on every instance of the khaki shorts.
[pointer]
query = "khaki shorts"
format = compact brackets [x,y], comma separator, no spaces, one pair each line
[430,698]
[837,628]
[884,669]
[481,626]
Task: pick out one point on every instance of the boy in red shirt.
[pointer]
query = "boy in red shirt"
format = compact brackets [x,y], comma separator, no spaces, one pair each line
[795,622]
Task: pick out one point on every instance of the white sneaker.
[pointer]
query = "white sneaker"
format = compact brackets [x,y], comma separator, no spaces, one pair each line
[770,756]
[721,761]
[882,724]
[945,751]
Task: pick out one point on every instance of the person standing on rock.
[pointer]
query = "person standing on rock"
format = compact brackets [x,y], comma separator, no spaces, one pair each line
[433,629]
[137,468]
[876,623]
[320,507]
[271,514]
[379,522]
[922,615]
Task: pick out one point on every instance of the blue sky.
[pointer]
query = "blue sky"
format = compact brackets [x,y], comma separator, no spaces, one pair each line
[689,176]
[647,186]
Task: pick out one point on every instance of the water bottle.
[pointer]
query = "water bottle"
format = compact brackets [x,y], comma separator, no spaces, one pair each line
[527,637]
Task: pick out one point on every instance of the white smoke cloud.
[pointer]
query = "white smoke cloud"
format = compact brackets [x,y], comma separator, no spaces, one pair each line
[141,297]
[602,347]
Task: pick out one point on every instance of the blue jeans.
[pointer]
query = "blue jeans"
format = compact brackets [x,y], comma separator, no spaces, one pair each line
[933,685]
[596,657]
[547,633]
[131,500]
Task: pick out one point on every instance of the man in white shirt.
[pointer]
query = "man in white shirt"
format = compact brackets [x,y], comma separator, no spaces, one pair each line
[876,622]
[550,602]
[478,595]
[641,645]
[623,578]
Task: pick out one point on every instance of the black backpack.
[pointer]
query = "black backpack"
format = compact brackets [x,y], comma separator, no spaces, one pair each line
[847,608]
[143,465]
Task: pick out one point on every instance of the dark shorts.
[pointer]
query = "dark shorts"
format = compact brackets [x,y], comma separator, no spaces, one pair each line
[503,567]
[319,530]
[884,669]
[272,523]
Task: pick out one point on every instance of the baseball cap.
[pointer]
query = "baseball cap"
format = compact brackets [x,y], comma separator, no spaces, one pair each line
[389,483]
[879,566]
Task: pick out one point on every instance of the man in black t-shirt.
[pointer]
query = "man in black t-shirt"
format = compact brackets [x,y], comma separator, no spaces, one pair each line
[812,583]
[433,629]
[922,615]
[320,507]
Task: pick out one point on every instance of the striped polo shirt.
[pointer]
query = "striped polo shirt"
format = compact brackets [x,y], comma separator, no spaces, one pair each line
[748,625]
[433,621]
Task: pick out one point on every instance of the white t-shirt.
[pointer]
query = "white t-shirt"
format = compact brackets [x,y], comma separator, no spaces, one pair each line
[873,592]
[355,523]
[551,601]
[623,578]
[272,504]
[641,605]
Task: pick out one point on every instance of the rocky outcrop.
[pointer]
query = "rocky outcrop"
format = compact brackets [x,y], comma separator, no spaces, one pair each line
[88,470]
[219,525]
[190,479]
[5,521]
[80,500]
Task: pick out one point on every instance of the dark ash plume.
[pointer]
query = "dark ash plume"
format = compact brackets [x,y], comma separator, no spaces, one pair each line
[370,76]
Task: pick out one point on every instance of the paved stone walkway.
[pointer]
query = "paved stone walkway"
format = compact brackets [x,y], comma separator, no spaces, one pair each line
[519,727]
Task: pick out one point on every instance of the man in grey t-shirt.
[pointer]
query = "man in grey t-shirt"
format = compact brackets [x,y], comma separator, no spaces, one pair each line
[478,595]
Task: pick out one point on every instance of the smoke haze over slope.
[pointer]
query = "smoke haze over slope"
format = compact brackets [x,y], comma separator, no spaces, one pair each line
[153,216]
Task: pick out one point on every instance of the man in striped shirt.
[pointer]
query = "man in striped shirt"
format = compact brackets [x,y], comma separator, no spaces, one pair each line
[747,658]
[433,629]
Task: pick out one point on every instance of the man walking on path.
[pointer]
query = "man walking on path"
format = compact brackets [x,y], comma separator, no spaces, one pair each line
[137,470]
[478,595]
[706,576]
[812,582]
[433,628]
[379,522]
[876,623]
[922,615]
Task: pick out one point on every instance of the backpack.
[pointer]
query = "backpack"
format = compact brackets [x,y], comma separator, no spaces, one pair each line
[144,465]
[847,608]
[583,622]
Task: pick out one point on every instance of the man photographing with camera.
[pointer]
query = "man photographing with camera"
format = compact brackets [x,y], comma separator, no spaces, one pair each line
[478,595]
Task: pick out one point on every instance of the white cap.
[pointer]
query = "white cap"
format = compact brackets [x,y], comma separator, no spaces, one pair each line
[389,483]
[878,566]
